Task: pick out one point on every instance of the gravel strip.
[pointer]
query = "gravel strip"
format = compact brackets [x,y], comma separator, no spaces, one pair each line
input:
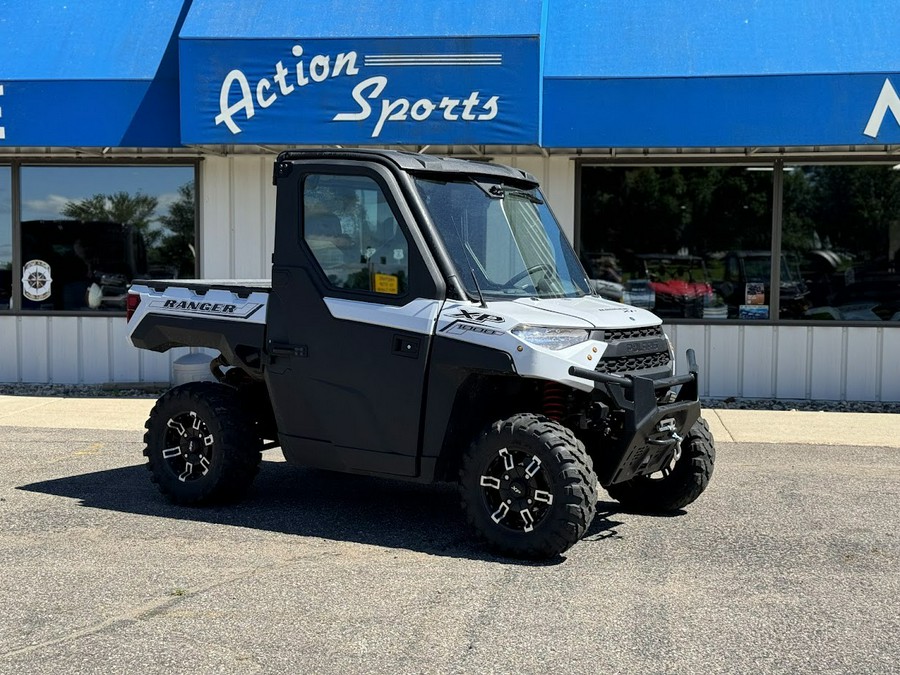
[731,403]
[84,390]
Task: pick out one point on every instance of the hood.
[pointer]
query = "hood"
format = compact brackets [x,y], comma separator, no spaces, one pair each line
[587,312]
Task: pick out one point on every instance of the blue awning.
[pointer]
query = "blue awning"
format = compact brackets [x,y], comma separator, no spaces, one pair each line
[350,72]
[732,73]
[89,73]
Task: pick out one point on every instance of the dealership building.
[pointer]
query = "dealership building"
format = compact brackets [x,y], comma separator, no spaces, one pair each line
[683,147]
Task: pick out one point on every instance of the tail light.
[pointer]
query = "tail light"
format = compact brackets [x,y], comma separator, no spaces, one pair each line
[131,304]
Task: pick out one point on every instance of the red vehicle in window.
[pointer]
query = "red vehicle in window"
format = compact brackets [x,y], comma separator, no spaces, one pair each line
[680,283]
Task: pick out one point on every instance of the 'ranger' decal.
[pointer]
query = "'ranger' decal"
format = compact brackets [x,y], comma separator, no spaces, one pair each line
[203,307]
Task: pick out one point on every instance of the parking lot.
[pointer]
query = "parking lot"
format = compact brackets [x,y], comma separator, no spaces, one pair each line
[789,563]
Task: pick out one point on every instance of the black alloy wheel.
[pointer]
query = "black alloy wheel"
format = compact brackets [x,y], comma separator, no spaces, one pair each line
[528,487]
[189,445]
[516,490]
[201,445]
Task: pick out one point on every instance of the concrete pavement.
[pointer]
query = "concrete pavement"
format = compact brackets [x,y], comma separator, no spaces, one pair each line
[738,426]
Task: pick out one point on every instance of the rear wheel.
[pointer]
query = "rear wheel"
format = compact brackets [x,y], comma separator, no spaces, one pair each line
[200,446]
[528,487]
[679,483]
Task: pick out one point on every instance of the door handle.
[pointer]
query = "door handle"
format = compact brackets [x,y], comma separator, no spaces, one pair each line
[405,346]
[282,349]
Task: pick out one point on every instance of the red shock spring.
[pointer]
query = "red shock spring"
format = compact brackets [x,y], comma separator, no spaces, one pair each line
[554,401]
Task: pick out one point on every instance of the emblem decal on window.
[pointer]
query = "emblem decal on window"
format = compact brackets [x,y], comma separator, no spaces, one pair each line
[36,280]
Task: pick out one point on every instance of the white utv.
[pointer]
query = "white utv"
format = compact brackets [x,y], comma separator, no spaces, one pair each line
[426,320]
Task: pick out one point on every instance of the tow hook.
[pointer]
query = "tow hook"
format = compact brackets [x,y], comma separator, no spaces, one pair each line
[667,426]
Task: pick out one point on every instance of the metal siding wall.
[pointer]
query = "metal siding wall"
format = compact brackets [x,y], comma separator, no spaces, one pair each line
[890,365]
[155,367]
[757,362]
[790,365]
[826,364]
[247,214]
[9,349]
[216,215]
[126,360]
[863,374]
[95,349]
[561,175]
[33,349]
[722,365]
[65,349]
[237,217]
[686,337]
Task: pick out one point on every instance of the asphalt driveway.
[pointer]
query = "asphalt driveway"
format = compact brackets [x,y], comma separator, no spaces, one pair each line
[789,563]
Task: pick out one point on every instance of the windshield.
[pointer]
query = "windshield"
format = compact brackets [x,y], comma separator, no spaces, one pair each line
[759,267]
[504,237]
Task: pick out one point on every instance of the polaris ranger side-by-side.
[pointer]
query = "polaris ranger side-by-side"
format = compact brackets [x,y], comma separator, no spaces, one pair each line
[426,320]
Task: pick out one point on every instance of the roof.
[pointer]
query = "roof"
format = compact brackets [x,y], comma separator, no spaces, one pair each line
[414,162]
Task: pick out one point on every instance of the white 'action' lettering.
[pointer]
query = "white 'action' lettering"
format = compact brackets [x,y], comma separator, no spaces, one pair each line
[344,63]
[245,103]
[261,86]
[323,66]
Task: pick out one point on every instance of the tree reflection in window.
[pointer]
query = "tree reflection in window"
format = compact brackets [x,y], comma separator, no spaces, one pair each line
[95,242]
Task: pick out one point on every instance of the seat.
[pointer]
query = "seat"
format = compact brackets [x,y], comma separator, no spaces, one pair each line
[323,235]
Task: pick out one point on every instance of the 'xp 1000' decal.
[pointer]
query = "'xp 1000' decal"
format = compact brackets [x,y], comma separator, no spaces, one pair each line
[479,317]
[222,309]
[371,95]
[461,327]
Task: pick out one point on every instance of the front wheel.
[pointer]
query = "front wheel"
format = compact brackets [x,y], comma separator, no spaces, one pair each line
[679,483]
[528,487]
[200,445]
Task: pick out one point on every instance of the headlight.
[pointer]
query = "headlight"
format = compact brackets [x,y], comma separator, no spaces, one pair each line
[549,337]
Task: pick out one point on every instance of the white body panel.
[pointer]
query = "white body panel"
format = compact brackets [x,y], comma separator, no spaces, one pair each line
[491,326]
[217,303]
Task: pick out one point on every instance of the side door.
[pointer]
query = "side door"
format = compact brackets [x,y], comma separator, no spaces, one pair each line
[355,297]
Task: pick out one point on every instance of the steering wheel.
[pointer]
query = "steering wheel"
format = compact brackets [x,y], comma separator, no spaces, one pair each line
[547,269]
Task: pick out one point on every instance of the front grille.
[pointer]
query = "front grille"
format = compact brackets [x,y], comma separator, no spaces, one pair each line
[628,349]
[624,364]
[632,333]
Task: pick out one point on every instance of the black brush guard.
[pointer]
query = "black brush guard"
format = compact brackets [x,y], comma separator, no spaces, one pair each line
[652,431]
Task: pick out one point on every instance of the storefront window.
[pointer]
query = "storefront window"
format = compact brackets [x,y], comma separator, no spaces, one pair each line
[5,237]
[841,233]
[684,242]
[87,232]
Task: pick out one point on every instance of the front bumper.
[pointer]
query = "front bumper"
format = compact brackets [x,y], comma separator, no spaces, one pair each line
[651,432]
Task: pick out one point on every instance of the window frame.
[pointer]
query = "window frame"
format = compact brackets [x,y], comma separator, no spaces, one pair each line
[383,183]
[777,166]
[16,166]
